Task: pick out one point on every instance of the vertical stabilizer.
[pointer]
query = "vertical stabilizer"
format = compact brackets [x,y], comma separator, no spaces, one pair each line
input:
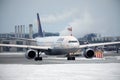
[40,33]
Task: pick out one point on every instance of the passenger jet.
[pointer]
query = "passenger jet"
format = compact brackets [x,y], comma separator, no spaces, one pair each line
[56,45]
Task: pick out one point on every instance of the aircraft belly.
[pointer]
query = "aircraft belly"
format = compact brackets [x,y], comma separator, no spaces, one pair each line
[62,51]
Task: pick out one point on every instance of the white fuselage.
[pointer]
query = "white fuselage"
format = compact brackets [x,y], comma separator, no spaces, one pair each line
[59,44]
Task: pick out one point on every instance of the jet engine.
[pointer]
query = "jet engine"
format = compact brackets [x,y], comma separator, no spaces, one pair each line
[88,53]
[30,54]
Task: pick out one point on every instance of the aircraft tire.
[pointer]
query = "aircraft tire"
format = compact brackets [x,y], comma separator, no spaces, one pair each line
[71,58]
[38,59]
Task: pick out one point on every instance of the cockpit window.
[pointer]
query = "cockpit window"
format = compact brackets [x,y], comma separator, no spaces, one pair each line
[73,41]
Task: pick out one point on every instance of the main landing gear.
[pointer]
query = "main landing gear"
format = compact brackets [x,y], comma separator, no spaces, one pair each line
[38,58]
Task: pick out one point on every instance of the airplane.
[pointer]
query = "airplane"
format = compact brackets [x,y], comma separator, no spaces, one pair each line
[56,45]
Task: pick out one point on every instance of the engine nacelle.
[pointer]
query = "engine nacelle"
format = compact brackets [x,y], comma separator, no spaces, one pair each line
[30,54]
[89,53]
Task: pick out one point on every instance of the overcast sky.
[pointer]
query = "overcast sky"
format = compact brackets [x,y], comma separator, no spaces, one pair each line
[84,16]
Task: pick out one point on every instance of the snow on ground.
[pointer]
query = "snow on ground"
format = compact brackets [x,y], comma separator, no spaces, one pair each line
[108,71]
[12,53]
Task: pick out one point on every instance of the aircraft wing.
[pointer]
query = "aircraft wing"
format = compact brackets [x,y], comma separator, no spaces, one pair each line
[26,46]
[98,44]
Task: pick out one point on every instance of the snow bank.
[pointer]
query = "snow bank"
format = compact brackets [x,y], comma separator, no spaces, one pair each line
[60,72]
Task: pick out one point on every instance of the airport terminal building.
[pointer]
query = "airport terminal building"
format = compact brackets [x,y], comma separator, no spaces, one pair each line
[105,39]
[14,41]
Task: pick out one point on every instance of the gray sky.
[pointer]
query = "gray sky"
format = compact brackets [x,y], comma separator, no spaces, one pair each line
[84,16]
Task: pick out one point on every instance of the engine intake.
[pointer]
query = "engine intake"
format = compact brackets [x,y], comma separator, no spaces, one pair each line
[89,53]
[30,54]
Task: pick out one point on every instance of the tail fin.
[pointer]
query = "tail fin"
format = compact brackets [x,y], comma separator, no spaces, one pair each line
[40,33]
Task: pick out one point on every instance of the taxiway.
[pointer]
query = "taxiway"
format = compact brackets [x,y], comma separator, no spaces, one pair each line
[19,58]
